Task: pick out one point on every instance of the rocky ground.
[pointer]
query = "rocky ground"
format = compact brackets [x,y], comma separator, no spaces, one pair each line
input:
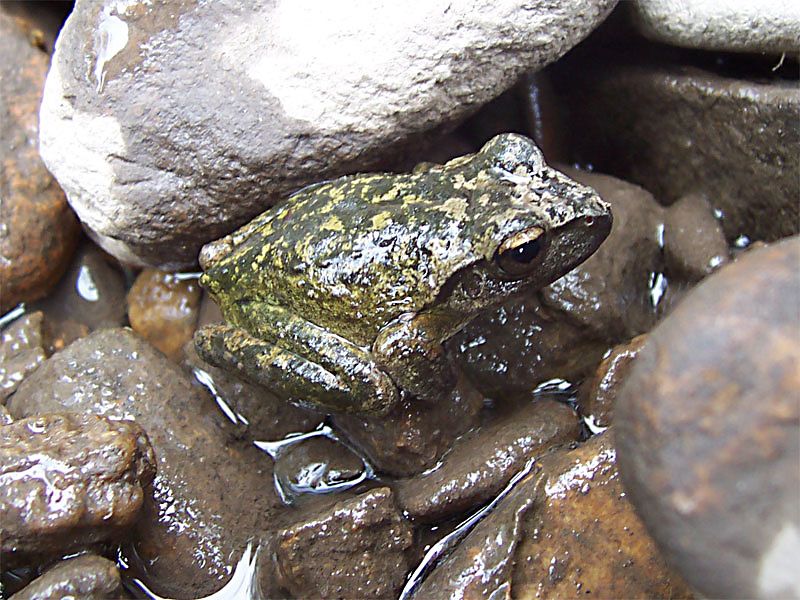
[630,430]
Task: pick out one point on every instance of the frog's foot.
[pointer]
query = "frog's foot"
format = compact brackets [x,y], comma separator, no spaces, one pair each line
[353,385]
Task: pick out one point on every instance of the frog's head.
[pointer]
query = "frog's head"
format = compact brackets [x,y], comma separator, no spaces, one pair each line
[529,225]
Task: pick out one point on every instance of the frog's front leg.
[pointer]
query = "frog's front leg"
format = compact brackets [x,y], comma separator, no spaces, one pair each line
[298,361]
[410,349]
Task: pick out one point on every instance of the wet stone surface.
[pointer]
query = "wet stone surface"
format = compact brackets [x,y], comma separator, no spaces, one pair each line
[163,310]
[69,482]
[38,231]
[86,577]
[482,463]
[209,495]
[355,549]
[21,352]
[565,531]
[708,423]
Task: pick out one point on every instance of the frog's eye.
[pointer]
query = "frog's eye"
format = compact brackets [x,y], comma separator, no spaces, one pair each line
[519,253]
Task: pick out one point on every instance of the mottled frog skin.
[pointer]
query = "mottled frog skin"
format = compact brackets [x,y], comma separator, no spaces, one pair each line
[342,296]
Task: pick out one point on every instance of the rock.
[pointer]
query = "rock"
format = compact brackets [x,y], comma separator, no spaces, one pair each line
[68,482]
[481,464]
[414,435]
[316,466]
[771,26]
[90,296]
[677,129]
[5,417]
[156,170]
[87,577]
[708,424]
[209,496]
[565,531]
[355,549]
[38,231]
[694,243]
[21,352]
[563,330]
[164,309]
[598,394]
[40,22]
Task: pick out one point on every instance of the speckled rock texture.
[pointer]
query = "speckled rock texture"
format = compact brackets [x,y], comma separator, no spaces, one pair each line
[764,26]
[731,135]
[708,425]
[68,482]
[38,231]
[169,124]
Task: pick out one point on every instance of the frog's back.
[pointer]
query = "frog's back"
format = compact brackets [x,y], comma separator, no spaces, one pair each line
[354,253]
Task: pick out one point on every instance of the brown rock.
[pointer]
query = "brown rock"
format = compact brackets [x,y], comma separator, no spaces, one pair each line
[209,495]
[355,549]
[678,130]
[708,429]
[565,531]
[164,310]
[598,394]
[38,231]
[87,577]
[68,482]
[21,352]
[414,435]
[480,465]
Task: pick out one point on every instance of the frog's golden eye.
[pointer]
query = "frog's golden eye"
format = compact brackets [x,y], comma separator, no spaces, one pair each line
[519,253]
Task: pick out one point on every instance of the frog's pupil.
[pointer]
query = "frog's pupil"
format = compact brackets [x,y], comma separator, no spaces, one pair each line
[526,252]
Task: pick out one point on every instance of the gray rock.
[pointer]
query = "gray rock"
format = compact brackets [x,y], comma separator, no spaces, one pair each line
[708,429]
[678,130]
[21,352]
[170,124]
[209,494]
[765,26]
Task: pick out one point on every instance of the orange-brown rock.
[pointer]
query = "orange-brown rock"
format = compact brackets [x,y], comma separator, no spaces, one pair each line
[38,230]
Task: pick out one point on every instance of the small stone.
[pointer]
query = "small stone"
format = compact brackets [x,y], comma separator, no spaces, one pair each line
[766,26]
[163,310]
[38,231]
[21,352]
[210,493]
[354,549]
[677,129]
[68,482]
[482,463]
[163,146]
[598,394]
[5,417]
[566,530]
[708,429]
[87,577]
[694,243]
[414,435]
[90,296]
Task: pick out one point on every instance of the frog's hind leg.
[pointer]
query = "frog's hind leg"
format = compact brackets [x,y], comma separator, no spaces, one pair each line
[304,364]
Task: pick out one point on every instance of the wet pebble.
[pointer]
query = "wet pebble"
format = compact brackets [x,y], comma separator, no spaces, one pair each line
[566,530]
[353,549]
[708,429]
[414,435]
[482,463]
[209,495]
[90,296]
[21,352]
[598,394]
[69,482]
[86,577]
[38,231]
[163,309]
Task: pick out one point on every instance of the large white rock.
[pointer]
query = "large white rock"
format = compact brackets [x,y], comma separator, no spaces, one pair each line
[170,123]
[738,25]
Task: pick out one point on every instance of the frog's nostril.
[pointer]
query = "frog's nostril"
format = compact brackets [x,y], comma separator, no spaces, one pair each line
[589,221]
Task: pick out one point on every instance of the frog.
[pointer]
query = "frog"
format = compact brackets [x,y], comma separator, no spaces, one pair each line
[341,297]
